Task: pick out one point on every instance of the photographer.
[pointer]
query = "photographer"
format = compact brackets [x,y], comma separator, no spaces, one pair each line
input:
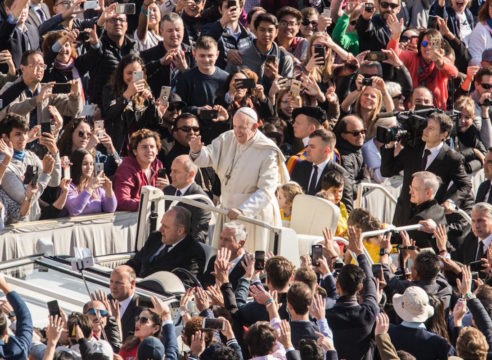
[482,95]
[430,154]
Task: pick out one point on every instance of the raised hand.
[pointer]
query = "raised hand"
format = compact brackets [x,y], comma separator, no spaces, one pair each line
[382,324]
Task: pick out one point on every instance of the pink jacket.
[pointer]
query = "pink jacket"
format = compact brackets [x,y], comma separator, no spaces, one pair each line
[128,182]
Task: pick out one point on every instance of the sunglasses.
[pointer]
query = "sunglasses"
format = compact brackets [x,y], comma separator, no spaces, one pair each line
[83,134]
[425,43]
[486,86]
[142,319]
[356,132]
[386,5]
[307,23]
[188,129]
[173,108]
[102,312]
[398,97]
[405,38]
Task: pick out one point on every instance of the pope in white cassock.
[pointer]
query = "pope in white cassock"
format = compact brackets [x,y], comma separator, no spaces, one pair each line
[250,166]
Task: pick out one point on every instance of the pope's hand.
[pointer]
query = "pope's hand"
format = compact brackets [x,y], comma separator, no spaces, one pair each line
[233,214]
[196,144]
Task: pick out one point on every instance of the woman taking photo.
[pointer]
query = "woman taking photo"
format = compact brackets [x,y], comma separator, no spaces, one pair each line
[368,101]
[429,67]
[89,193]
[147,323]
[78,134]
[147,33]
[128,104]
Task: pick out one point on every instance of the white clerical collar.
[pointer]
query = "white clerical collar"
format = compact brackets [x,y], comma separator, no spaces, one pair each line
[305,141]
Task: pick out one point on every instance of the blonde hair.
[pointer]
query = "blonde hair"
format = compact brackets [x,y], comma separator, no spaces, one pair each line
[290,191]
[471,344]
[319,74]
[370,126]
[466,103]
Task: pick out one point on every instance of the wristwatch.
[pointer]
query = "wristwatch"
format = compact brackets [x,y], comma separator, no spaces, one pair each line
[469,296]
[11,315]
[383,251]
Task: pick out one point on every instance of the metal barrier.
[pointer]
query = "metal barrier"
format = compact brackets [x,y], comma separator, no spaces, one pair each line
[369,185]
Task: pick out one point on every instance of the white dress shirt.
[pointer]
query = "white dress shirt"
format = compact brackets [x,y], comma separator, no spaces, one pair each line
[321,167]
[124,305]
[434,151]
[486,244]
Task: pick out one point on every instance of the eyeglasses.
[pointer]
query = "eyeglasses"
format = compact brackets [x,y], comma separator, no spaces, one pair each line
[486,86]
[288,23]
[386,5]
[117,20]
[405,38]
[37,66]
[356,133]
[83,134]
[398,97]
[65,3]
[188,129]
[102,312]
[174,108]
[306,22]
[141,319]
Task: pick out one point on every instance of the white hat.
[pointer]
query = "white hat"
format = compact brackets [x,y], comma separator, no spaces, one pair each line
[413,305]
[249,112]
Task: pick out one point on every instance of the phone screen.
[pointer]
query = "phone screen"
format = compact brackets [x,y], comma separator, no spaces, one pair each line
[259,260]
[316,254]
[212,324]
[53,308]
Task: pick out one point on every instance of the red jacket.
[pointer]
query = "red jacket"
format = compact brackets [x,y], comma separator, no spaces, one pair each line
[438,84]
[128,182]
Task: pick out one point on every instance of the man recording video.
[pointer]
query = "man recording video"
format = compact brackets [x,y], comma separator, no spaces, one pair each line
[430,154]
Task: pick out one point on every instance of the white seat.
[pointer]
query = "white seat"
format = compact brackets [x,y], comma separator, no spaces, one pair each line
[310,215]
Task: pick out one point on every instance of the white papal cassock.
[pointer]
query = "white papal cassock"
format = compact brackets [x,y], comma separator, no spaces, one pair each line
[249,175]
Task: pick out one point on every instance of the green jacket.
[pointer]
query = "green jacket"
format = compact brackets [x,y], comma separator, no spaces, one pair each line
[348,41]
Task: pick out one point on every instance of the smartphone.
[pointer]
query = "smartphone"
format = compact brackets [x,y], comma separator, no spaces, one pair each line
[259,260]
[367,81]
[161,173]
[376,56]
[63,88]
[476,266]
[99,128]
[326,12]
[435,43]
[432,22]
[88,110]
[34,180]
[213,324]
[98,168]
[127,9]
[209,114]
[320,52]
[231,3]
[82,37]
[46,127]
[137,75]
[245,84]
[66,172]
[272,59]
[145,302]
[295,87]
[165,92]
[28,175]
[91,4]
[54,308]
[316,254]
[369,7]
[376,271]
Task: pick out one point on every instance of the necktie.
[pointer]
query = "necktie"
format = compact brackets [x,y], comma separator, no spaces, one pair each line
[178,193]
[424,159]
[41,15]
[314,179]
[480,250]
[164,251]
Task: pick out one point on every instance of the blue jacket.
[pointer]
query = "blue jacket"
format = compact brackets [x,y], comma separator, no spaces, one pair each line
[168,339]
[17,347]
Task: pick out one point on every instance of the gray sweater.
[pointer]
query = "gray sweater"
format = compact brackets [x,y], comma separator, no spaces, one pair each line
[12,182]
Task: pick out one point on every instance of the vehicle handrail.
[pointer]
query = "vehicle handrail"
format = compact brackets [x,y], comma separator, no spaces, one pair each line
[369,185]
[391,228]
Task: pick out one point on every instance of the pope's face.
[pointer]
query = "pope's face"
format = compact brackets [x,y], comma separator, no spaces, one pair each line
[244,128]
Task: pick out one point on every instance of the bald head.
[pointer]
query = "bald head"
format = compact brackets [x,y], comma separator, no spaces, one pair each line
[183,171]
[352,130]
[122,282]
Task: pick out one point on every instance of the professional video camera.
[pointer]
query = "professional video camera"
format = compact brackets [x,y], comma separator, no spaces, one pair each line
[411,124]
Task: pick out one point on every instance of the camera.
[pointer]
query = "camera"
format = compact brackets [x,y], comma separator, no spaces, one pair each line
[487,102]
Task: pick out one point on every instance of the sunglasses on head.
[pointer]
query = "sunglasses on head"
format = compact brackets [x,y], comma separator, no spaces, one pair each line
[486,86]
[187,129]
[306,22]
[386,5]
[102,312]
[356,132]
[141,319]
[83,133]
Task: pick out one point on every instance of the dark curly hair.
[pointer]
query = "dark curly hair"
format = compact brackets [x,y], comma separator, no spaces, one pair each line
[118,85]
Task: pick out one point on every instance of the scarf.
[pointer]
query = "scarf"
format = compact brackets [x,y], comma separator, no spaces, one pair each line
[427,71]
[70,66]
[19,155]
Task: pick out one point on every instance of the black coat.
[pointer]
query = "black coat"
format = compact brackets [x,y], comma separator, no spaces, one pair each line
[448,165]
[188,254]
[482,191]
[234,276]
[427,210]
[302,173]
[128,317]
[352,161]
[468,251]
[17,42]
[199,217]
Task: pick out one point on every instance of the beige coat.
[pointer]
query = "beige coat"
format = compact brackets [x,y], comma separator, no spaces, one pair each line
[249,176]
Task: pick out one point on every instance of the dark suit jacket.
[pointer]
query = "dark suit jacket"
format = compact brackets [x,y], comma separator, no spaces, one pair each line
[468,251]
[12,39]
[236,273]
[302,330]
[199,217]
[128,318]
[302,173]
[427,210]
[482,191]
[188,254]
[448,165]
[33,17]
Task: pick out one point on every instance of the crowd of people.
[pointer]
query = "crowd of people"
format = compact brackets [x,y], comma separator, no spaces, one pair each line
[251,103]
